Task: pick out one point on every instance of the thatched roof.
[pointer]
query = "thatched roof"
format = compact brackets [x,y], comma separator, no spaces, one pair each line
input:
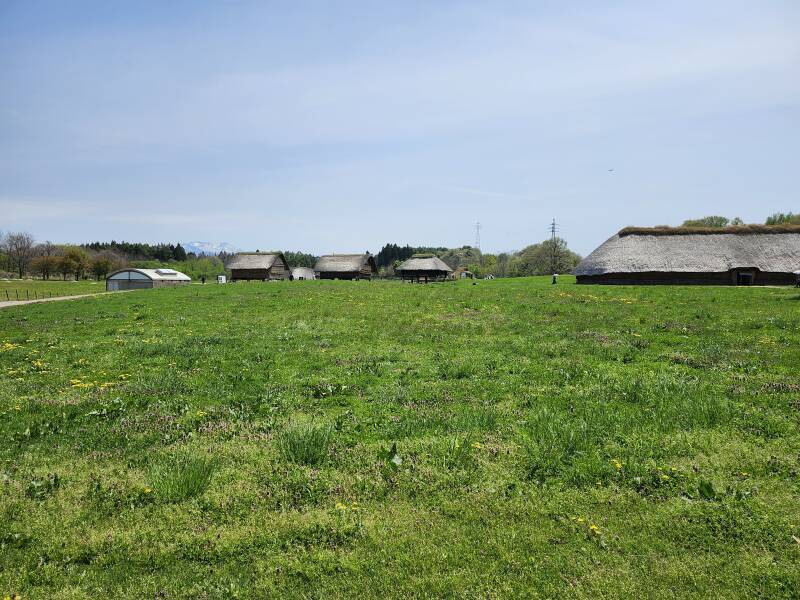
[701,252]
[424,263]
[254,260]
[303,273]
[343,263]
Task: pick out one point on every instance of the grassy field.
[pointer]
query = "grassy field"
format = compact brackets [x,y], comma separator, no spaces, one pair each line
[338,439]
[24,288]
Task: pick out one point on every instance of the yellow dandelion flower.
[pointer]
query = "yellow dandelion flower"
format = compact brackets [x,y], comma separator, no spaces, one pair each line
[594,529]
[477,445]
[616,464]
[340,506]
[148,490]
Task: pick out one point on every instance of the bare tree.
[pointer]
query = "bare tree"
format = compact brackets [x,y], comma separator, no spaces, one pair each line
[47,248]
[19,247]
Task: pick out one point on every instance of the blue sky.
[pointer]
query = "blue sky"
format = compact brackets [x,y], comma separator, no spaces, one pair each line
[336,126]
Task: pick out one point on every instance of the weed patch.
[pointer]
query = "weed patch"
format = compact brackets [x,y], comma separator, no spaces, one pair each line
[306,444]
[180,477]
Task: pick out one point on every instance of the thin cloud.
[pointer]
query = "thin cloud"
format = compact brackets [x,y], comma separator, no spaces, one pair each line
[482,193]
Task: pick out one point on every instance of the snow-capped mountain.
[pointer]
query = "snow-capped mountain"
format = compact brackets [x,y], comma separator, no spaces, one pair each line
[209,248]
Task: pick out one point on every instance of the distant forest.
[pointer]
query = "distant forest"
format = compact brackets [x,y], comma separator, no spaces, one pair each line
[139,251]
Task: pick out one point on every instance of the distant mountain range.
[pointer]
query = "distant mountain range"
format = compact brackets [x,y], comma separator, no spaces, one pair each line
[209,248]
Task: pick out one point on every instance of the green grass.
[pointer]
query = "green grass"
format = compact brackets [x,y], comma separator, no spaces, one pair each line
[355,439]
[178,478]
[305,444]
[17,288]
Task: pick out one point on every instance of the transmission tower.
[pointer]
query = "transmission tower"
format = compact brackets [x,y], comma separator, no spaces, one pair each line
[478,235]
[553,246]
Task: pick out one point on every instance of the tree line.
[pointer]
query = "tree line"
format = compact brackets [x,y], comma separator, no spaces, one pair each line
[139,251]
[20,254]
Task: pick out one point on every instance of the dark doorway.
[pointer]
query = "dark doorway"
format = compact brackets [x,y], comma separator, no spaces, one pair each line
[744,279]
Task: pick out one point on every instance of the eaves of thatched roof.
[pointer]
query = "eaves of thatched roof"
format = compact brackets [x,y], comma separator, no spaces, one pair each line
[632,251]
[427,263]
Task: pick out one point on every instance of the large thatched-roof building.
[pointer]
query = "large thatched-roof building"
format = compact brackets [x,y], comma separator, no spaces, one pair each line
[346,266]
[257,266]
[424,268]
[744,255]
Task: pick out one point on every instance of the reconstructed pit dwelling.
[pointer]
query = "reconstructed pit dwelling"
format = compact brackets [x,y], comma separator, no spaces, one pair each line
[744,255]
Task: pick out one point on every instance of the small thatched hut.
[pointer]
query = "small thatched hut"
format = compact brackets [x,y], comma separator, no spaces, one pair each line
[424,268]
[303,274]
[255,266]
[743,255]
[346,266]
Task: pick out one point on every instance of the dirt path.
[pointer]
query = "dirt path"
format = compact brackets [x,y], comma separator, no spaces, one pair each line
[9,303]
